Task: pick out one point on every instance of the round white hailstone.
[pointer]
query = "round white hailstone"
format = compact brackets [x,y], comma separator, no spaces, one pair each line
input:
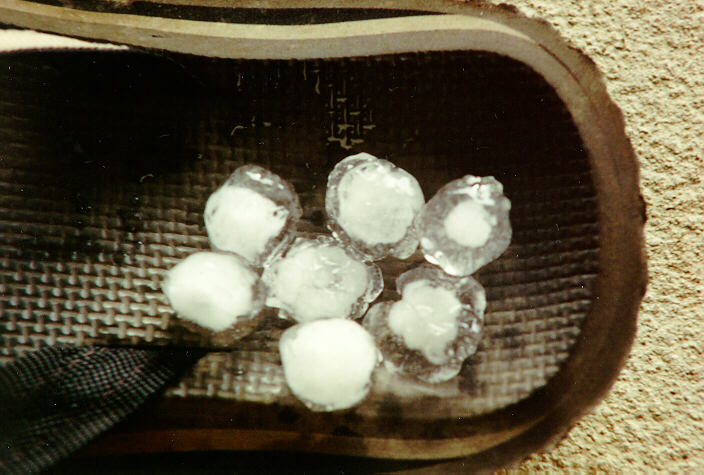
[465,225]
[213,290]
[328,363]
[426,318]
[469,224]
[435,326]
[318,278]
[254,214]
[372,203]
[243,221]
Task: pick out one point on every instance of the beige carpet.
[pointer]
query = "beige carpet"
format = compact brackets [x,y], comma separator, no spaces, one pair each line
[651,53]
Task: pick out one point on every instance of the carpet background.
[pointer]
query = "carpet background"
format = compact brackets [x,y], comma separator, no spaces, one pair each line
[650,53]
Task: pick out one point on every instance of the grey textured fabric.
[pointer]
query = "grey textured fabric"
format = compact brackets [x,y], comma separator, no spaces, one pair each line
[55,400]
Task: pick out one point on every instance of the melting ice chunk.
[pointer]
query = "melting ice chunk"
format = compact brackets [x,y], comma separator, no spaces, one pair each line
[318,278]
[433,328]
[254,214]
[213,290]
[328,363]
[371,205]
[426,318]
[465,225]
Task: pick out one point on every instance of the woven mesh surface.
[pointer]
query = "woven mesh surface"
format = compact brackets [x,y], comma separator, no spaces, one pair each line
[59,398]
[106,161]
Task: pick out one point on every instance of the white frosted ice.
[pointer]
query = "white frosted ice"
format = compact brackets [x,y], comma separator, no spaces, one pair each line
[253,214]
[213,290]
[372,204]
[317,278]
[465,225]
[468,224]
[375,206]
[243,221]
[426,318]
[328,363]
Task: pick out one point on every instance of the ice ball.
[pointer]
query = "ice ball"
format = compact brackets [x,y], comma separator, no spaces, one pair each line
[319,278]
[328,363]
[254,214]
[371,205]
[435,326]
[215,292]
[465,225]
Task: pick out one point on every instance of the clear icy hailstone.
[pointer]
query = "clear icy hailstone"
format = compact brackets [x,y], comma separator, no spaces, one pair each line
[435,326]
[371,205]
[215,292]
[254,214]
[465,225]
[328,363]
[318,278]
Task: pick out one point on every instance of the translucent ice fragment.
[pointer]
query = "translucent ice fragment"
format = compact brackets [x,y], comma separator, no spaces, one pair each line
[371,205]
[328,363]
[433,328]
[214,291]
[254,214]
[465,225]
[318,278]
